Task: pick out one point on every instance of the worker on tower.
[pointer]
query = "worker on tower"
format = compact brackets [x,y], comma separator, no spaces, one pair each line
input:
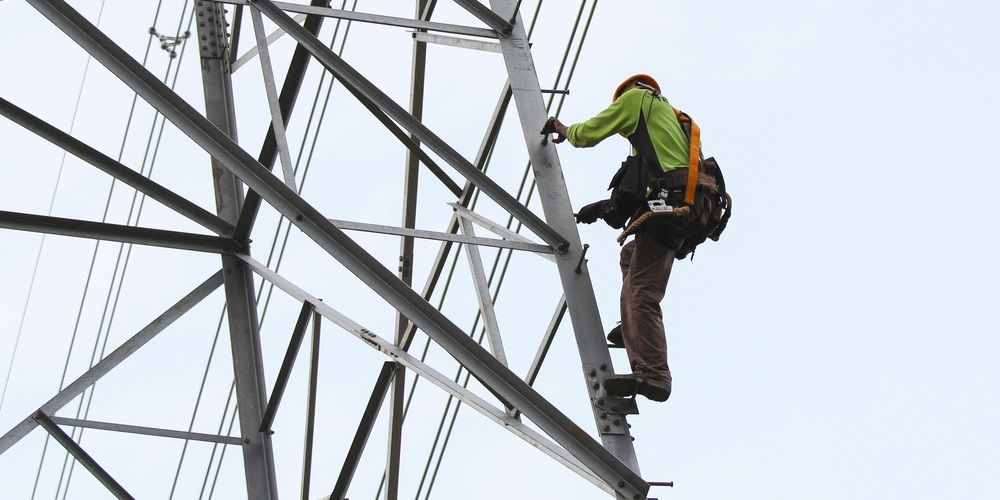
[669,197]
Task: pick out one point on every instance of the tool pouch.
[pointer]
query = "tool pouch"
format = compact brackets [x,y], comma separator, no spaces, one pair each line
[628,192]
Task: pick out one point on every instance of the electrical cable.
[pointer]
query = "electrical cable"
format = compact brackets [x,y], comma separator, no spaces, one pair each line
[104,218]
[88,395]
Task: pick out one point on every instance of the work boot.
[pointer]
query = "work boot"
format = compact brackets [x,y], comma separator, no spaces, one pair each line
[622,386]
[632,384]
[655,390]
[615,337]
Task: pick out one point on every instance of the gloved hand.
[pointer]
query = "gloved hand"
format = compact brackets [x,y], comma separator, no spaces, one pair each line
[590,213]
[554,126]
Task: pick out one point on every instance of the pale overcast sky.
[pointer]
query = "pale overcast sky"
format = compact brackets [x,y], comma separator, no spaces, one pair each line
[838,342]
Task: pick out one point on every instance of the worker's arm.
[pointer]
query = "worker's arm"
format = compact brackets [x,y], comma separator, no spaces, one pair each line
[621,117]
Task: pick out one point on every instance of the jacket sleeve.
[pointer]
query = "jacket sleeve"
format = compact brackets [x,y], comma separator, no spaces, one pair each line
[621,117]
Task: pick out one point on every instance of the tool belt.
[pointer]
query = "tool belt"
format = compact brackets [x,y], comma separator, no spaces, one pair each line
[681,207]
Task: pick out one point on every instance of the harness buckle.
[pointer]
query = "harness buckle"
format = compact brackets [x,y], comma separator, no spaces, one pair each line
[659,206]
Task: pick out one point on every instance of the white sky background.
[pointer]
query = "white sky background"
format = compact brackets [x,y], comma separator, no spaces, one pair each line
[838,342]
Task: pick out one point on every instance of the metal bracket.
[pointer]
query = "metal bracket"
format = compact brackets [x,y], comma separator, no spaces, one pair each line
[610,410]
[213,30]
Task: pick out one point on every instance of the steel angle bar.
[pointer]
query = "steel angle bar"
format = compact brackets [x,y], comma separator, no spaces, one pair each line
[577,286]
[364,431]
[270,89]
[103,162]
[362,17]
[370,94]
[307,453]
[281,383]
[253,51]
[116,232]
[486,15]
[484,151]
[496,377]
[235,38]
[519,244]
[114,359]
[486,306]
[81,456]
[462,43]
[495,228]
[250,385]
[289,95]
[565,456]
[148,431]
[543,347]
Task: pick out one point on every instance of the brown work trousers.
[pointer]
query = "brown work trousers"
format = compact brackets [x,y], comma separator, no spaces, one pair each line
[646,262]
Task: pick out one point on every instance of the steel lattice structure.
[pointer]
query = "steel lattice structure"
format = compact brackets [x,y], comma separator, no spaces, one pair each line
[245,183]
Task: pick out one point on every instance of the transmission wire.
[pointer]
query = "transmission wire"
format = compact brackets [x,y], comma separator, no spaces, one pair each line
[95,357]
[104,218]
[52,202]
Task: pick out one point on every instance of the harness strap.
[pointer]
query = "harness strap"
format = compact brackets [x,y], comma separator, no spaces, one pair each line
[694,154]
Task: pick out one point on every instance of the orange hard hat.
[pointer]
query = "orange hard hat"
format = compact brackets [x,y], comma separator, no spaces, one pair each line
[630,81]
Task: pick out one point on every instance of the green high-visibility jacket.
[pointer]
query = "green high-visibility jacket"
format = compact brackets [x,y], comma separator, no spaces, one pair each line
[622,116]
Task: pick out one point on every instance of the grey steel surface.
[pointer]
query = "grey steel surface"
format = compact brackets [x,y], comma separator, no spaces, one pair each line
[543,346]
[298,333]
[241,306]
[148,431]
[252,52]
[555,201]
[117,232]
[497,229]
[233,166]
[364,431]
[112,360]
[561,454]
[81,456]
[90,155]
[452,41]
[367,92]
[483,296]
[499,24]
[271,91]
[485,148]
[378,19]
[307,448]
[289,93]
[515,243]
[423,10]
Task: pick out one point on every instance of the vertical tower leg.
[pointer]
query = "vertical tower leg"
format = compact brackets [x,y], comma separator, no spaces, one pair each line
[241,307]
[552,192]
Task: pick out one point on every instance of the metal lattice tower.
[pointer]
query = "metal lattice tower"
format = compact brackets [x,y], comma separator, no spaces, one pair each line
[253,181]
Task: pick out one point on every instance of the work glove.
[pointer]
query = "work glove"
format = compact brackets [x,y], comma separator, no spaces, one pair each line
[554,126]
[590,213]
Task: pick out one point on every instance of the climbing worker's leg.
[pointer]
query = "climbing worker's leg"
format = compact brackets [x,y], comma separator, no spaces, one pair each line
[645,270]
[642,291]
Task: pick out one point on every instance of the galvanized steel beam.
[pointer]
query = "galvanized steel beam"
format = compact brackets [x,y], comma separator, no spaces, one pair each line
[94,157]
[520,243]
[112,360]
[363,17]
[147,431]
[367,92]
[578,289]
[82,456]
[116,232]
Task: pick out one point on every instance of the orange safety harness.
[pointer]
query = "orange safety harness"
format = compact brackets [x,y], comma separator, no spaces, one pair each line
[694,153]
